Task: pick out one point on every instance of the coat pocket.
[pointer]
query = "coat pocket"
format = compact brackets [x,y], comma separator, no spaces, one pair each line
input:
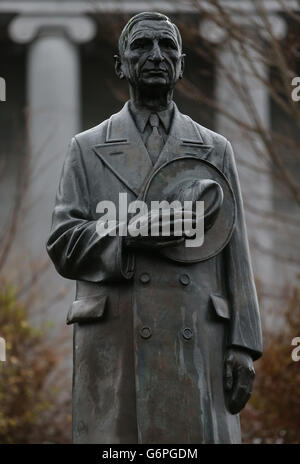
[87,309]
[220,305]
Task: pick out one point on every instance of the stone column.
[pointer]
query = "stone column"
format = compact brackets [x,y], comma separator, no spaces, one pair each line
[53,113]
[254,170]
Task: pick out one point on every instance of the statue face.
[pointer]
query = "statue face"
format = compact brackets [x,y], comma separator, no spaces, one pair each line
[153,56]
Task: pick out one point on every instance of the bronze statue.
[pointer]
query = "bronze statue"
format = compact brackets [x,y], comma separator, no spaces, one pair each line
[164,336]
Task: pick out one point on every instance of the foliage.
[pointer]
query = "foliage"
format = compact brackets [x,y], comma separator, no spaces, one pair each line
[29,409]
[273,413]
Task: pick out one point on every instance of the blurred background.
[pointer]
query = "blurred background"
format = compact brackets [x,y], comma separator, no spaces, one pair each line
[57,61]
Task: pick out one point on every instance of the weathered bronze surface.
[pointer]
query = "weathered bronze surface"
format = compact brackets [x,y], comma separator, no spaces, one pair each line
[188,177]
[163,350]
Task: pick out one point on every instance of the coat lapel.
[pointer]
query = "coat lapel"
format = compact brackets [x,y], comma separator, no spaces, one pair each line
[124,151]
[184,139]
[125,154]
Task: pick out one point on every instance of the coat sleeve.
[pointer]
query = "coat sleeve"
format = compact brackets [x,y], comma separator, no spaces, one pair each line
[76,249]
[245,318]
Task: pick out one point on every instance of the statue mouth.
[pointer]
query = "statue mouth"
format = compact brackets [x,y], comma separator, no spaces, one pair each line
[155,72]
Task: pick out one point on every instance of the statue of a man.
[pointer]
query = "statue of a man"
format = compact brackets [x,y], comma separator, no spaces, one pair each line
[163,348]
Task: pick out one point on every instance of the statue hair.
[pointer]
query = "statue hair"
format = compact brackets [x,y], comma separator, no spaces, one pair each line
[153,16]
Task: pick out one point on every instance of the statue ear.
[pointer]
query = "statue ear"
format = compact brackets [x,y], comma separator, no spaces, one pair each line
[118,67]
[182,65]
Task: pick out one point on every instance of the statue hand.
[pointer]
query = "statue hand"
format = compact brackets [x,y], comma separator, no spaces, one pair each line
[239,375]
[159,240]
[148,243]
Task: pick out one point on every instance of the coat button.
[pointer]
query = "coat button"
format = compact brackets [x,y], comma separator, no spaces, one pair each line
[187,333]
[145,332]
[145,278]
[184,279]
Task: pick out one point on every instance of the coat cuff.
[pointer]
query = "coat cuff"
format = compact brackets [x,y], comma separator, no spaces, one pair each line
[255,354]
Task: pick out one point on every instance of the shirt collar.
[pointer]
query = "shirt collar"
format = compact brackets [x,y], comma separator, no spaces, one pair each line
[141,116]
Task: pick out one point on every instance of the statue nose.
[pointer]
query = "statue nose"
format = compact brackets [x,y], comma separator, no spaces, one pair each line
[156,54]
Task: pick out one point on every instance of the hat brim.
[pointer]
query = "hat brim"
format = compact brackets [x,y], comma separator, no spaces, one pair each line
[160,185]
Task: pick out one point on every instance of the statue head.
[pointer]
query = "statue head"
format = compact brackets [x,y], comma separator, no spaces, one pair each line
[150,53]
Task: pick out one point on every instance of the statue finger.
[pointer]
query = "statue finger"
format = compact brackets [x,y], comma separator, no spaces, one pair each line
[228,376]
[242,389]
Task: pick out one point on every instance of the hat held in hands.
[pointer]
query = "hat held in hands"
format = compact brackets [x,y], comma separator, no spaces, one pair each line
[190,179]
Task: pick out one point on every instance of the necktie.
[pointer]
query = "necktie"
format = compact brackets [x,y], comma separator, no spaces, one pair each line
[155,141]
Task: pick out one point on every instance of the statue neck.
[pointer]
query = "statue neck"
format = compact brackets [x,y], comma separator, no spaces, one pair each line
[152,99]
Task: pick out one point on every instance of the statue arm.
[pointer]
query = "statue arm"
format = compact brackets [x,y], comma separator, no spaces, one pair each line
[76,249]
[245,318]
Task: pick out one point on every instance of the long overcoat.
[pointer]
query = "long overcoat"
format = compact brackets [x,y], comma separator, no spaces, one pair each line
[150,334]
